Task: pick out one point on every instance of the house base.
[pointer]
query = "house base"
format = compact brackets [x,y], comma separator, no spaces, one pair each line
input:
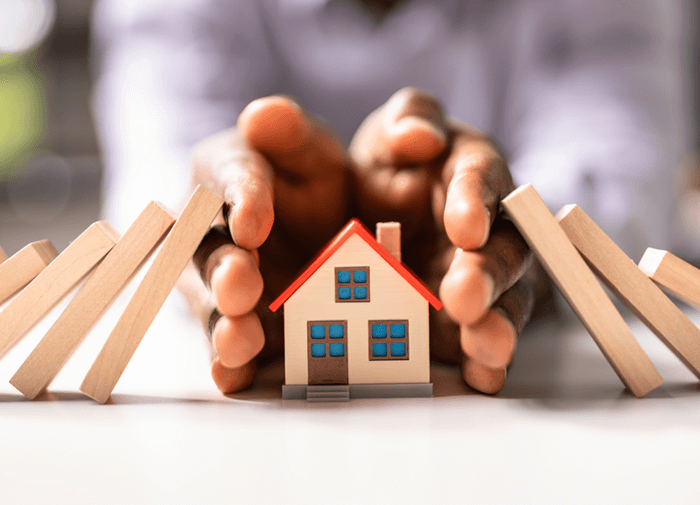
[319,393]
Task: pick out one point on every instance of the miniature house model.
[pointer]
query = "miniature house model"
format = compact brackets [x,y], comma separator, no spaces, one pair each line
[356,321]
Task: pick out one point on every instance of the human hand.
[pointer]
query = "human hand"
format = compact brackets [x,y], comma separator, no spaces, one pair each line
[444,181]
[284,177]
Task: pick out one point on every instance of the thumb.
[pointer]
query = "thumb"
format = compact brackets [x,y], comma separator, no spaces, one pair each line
[392,151]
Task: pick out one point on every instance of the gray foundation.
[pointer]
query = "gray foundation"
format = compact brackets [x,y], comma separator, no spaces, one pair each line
[344,392]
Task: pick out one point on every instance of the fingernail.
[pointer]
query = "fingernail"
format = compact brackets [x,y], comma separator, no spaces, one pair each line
[487,227]
[489,287]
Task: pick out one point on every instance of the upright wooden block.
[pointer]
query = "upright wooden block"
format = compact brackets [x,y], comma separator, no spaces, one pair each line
[46,360]
[634,288]
[677,277]
[55,282]
[160,279]
[24,266]
[581,289]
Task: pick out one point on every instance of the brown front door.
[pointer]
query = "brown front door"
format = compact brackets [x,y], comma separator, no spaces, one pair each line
[327,351]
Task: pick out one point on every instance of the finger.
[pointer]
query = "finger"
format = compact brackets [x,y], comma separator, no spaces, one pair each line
[228,380]
[475,279]
[481,378]
[491,342]
[234,279]
[244,178]
[238,340]
[230,272]
[392,149]
[232,380]
[408,129]
[412,129]
[477,178]
[308,161]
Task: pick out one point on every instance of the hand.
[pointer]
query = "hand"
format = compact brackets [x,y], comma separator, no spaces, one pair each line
[284,177]
[444,181]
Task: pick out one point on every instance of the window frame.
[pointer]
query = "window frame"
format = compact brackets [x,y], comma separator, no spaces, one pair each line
[327,339]
[388,339]
[352,284]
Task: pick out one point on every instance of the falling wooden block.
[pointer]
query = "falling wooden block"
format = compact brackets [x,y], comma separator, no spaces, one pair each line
[677,277]
[629,283]
[581,289]
[54,282]
[177,249]
[18,271]
[46,360]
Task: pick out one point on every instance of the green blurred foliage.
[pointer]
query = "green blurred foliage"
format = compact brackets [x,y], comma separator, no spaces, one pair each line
[22,111]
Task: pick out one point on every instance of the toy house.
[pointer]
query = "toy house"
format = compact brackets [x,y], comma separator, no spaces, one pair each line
[356,321]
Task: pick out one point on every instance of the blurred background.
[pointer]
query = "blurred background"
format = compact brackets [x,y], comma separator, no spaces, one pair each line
[49,156]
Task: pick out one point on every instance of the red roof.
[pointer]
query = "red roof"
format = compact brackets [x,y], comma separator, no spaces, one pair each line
[355,227]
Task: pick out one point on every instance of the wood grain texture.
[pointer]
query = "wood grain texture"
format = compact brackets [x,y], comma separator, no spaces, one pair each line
[674,275]
[23,267]
[177,249]
[55,281]
[46,360]
[580,288]
[632,286]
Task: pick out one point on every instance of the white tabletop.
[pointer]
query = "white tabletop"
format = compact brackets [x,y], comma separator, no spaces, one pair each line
[562,431]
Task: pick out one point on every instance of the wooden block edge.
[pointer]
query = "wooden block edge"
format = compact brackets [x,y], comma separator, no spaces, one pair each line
[45,250]
[651,261]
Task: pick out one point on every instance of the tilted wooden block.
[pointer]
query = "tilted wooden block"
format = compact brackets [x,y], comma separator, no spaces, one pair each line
[55,282]
[46,360]
[177,249]
[18,271]
[629,283]
[581,290]
[677,277]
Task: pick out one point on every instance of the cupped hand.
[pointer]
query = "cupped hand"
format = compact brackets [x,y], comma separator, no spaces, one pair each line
[444,182]
[283,176]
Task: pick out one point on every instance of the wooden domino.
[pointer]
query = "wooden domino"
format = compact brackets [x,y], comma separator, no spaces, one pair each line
[46,360]
[677,277]
[635,289]
[54,282]
[177,249]
[581,290]
[18,271]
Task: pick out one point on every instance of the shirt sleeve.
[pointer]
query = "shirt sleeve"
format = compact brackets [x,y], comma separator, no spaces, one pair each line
[169,74]
[595,112]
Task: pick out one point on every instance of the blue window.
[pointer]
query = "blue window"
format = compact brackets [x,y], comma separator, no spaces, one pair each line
[397,348]
[379,330]
[395,343]
[318,350]
[379,350]
[397,330]
[335,331]
[318,331]
[337,349]
[322,350]
[352,284]
[359,276]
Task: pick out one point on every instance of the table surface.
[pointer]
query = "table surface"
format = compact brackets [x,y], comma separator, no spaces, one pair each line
[563,430]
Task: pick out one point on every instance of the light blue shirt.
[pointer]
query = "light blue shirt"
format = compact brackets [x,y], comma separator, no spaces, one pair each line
[587,98]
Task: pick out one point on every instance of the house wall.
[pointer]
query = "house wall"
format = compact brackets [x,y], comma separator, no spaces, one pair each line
[391,297]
